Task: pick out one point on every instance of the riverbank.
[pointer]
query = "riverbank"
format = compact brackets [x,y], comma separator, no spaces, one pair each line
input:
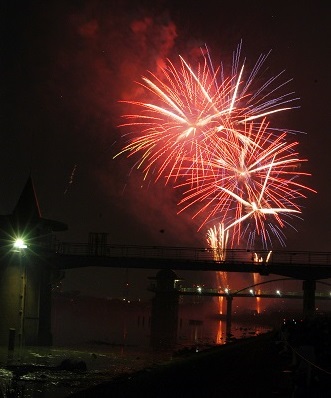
[58,371]
[274,364]
[251,367]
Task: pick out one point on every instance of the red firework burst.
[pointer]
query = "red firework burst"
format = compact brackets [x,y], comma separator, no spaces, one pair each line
[204,133]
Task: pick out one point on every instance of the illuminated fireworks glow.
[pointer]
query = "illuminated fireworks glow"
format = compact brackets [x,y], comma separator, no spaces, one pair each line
[217,239]
[189,107]
[240,182]
[257,258]
[209,135]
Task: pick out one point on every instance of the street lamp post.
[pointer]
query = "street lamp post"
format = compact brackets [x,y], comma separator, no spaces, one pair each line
[19,247]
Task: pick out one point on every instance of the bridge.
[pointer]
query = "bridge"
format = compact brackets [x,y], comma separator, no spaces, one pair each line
[302,265]
[26,273]
[35,263]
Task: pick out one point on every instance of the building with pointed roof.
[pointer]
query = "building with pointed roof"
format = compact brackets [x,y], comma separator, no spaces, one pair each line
[26,221]
[25,282]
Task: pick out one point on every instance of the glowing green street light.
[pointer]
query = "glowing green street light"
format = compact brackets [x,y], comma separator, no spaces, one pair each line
[19,244]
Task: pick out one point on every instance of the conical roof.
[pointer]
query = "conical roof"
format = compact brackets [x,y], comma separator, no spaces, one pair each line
[26,217]
[27,207]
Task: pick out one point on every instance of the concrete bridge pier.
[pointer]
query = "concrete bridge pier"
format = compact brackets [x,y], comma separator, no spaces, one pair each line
[309,287]
[164,319]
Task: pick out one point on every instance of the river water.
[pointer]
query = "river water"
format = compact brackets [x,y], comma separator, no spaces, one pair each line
[95,340]
[40,372]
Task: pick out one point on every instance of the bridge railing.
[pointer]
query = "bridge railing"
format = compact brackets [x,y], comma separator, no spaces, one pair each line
[134,251]
[193,254]
[251,292]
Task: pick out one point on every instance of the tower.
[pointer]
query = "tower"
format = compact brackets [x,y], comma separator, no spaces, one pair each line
[25,278]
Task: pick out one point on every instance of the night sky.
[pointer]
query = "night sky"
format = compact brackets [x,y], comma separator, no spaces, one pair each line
[65,65]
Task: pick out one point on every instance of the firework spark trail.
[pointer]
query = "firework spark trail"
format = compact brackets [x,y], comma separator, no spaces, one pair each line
[170,130]
[217,240]
[239,182]
[189,107]
[201,131]
[257,258]
[71,179]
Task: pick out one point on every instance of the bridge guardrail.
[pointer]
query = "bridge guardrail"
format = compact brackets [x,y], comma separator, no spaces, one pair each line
[193,254]
[250,292]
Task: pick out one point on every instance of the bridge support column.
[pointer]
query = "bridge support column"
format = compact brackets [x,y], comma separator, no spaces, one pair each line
[309,287]
[228,315]
[164,319]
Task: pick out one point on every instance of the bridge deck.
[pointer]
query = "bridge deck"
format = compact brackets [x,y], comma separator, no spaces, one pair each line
[194,254]
[301,265]
[295,264]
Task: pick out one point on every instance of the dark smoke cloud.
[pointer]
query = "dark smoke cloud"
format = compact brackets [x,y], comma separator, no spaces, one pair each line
[91,55]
